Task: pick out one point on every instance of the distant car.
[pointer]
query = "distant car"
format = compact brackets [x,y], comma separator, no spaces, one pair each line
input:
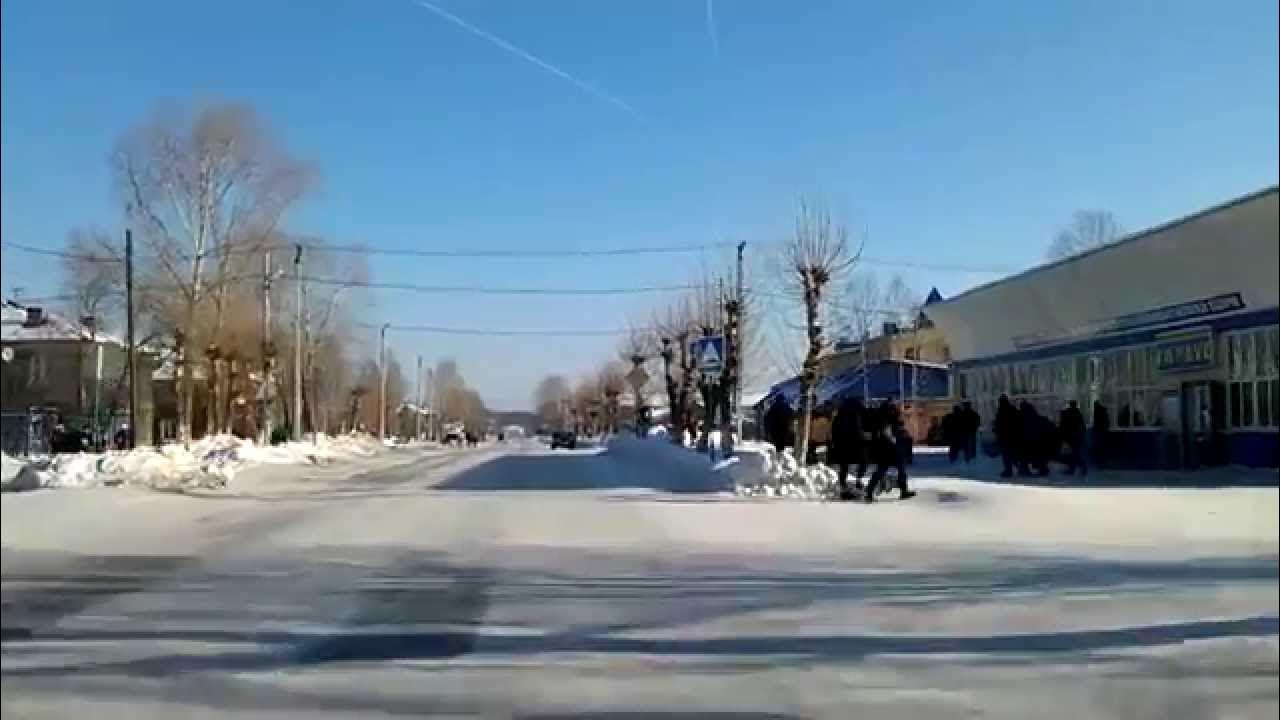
[564,439]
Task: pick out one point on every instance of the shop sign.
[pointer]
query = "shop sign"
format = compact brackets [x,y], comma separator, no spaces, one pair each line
[1180,312]
[1185,353]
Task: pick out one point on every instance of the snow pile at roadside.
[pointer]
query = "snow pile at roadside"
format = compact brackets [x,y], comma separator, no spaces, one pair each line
[17,475]
[758,470]
[210,462]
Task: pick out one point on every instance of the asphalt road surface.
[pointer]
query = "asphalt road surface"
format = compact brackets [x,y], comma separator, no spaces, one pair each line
[514,581]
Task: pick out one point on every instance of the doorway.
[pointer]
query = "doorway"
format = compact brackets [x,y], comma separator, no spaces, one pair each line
[1204,415]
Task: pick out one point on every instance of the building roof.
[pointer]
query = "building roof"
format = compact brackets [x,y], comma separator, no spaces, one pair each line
[1212,263]
[894,379]
[55,327]
[1109,247]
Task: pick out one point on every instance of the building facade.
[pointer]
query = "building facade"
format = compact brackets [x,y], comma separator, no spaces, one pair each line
[1174,331]
[63,369]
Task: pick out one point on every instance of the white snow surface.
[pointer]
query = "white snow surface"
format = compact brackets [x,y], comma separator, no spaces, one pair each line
[446,587]
[212,461]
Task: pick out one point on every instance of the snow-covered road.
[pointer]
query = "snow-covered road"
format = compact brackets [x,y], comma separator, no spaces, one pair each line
[516,581]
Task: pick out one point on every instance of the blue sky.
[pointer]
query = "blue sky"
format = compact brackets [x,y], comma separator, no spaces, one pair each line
[948,132]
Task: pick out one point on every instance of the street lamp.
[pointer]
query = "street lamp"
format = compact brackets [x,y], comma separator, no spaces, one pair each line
[382,383]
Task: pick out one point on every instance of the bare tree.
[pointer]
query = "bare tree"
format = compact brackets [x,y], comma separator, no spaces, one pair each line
[550,399]
[611,380]
[1088,229]
[93,274]
[816,255]
[201,191]
[675,328]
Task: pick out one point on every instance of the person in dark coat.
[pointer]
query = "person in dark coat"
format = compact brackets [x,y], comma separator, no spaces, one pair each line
[954,433]
[1035,441]
[777,422]
[972,426]
[1071,427]
[885,451]
[1100,434]
[1008,431]
[848,446]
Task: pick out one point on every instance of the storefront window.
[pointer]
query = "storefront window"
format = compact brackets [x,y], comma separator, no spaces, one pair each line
[1254,375]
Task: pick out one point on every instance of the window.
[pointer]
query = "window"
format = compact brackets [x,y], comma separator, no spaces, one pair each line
[1254,375]
[1126,382]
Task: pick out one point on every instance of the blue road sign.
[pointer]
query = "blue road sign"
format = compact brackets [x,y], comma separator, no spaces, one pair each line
[708,354]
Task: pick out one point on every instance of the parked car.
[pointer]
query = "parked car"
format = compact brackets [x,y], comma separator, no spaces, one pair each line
[564,439]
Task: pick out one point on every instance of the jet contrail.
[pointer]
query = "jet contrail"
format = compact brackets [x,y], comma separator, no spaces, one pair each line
[581,84]
[711,30]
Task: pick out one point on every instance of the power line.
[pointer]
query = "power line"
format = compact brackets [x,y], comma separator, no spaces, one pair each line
[485,290]
[62,253]
[530,254]
[497,332]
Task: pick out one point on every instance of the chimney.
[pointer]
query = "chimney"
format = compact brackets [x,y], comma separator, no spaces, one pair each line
[35,316]
[890,328]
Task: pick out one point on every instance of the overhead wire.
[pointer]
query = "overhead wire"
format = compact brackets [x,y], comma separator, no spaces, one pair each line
[523,254]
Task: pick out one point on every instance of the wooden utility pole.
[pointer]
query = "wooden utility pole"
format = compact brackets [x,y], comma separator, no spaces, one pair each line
[267,350]
[133,364]
[382,382]
[417,416]
[739,354]
[297,345]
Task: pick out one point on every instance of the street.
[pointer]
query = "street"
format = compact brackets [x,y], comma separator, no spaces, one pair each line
[515,581]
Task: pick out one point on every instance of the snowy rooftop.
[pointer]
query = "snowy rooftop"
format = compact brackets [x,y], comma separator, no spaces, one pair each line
[14,327]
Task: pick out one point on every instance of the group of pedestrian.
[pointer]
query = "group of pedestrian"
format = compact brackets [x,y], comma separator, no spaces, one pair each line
[861,436]
[1028,441]
[960,430]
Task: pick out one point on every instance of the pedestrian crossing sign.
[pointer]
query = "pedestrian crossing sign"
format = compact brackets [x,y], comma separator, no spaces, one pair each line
[708,353]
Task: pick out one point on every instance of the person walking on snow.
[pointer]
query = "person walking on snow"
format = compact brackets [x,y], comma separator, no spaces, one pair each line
[1008,430]
[954,433]
[777,423]
[1071,426]
[1100,434]
[885,453]
[1036,433]
[848,446]
[972,426]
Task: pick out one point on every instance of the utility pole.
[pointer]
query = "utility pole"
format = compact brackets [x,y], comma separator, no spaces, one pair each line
[417,416]
[267,349]
[133,365]
[382,383]
[739,349]
[297,345]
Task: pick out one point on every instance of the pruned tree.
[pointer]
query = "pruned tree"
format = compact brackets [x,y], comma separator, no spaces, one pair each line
[636,350]
[204,193]
[1087,230]
[675,328]
[816,255]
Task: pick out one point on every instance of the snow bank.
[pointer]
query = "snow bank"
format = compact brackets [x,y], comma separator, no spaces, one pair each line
[17,475]
[758,470]
[210,462]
